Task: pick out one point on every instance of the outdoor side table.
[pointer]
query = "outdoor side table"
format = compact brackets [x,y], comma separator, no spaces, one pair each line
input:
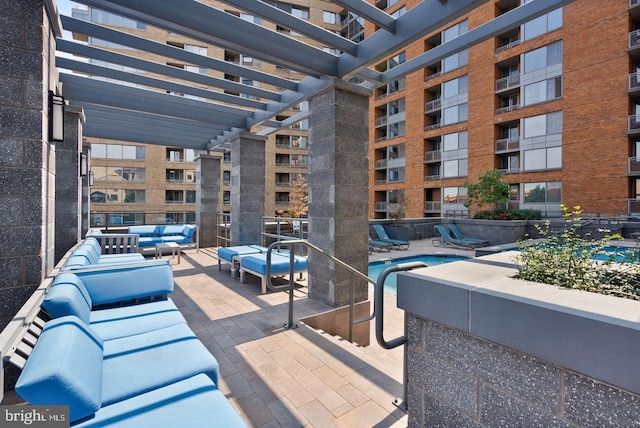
[162,247]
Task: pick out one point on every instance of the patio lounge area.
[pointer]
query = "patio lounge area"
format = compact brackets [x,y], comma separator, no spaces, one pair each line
[276,377]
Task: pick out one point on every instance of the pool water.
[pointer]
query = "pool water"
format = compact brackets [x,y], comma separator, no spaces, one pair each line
[390,284]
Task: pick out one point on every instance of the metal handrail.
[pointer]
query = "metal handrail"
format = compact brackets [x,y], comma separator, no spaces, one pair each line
[378,313]
[290,285]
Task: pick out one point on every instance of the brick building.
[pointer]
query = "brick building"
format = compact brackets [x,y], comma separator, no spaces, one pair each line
[548,104]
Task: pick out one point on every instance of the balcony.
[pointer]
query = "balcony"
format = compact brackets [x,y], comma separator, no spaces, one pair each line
[381,121]
[508,108]
[509,171]
[381,206]
[432,177]
[432,206]
[634,124]
[436,125]
[633,166]
[507,145]
[283,183]
[508,46]
[433,105]
[634,83]
[381,164]
[633,206]
[432,156]
[634,43]
[508,82]
[634,9]
[433,75]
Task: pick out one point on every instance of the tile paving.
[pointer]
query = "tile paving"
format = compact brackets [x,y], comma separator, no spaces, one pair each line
[291,378]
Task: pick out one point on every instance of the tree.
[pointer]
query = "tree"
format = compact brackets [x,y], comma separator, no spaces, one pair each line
[299,197]
[490,189]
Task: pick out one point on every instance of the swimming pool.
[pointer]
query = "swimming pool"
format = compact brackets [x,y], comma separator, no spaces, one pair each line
[430,259]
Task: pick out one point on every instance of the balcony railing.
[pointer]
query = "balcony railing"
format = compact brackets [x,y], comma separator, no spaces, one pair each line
[433,75]
[634,123]
[634,39]
[432,177]
[283,202]
[508,82]
[507,144]
[507,46]
[433,126]
[381,163]
[506,171]
[634,206]
[432,156]
[633,166]
[381,121]
[508,108]
[432,206]
[381,206]
[283,183]
[633,2]
[633,81]
[433,105]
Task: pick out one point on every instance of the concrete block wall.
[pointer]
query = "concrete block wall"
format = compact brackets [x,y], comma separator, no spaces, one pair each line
[463,381]
[486,350]
[27,164]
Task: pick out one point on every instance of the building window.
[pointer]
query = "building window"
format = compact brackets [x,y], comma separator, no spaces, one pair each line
[330,17]
[539,159]
[542,24]
[455,87]
[117,151]
[190,196]
[546,90]
[118,173]
[545,192]
[544,124]
[455,141]
[109,196]
[461,58]
[454,195]
[542,57]
[455,114]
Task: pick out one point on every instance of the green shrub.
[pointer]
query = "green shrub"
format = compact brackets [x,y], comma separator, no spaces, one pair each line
[568,260]
[512,214]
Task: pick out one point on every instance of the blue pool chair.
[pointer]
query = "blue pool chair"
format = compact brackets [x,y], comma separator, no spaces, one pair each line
[398,244]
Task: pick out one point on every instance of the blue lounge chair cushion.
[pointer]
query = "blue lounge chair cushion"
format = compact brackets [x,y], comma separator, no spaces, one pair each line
[137,364]
[178,239]
[228,253]
[64,368]
[195,403]
[120,283]
[279,263]
[131,320]
[69,297]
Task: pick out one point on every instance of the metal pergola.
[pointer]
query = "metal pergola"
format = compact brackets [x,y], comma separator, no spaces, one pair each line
[133,106]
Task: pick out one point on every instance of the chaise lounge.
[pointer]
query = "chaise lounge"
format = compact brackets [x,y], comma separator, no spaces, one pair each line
[256,264]
[398,244]
[232,255]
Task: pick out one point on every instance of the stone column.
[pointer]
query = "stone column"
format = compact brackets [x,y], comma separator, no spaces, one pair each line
[207,198]
[247,188]
[68,185]
[27,164]
[338,190]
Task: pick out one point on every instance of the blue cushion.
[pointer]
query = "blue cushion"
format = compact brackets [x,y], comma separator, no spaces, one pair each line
[178,239]
[149,241]
[172,229]
[121,283]
[195,402]
[279,263]
[144,230]
[124,321]
[65,368]
[137,364]
[228,253]
[189,230]
[66,299]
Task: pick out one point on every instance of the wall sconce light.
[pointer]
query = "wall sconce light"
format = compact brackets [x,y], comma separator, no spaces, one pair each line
[90,178]
[84,165]
[56,117]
